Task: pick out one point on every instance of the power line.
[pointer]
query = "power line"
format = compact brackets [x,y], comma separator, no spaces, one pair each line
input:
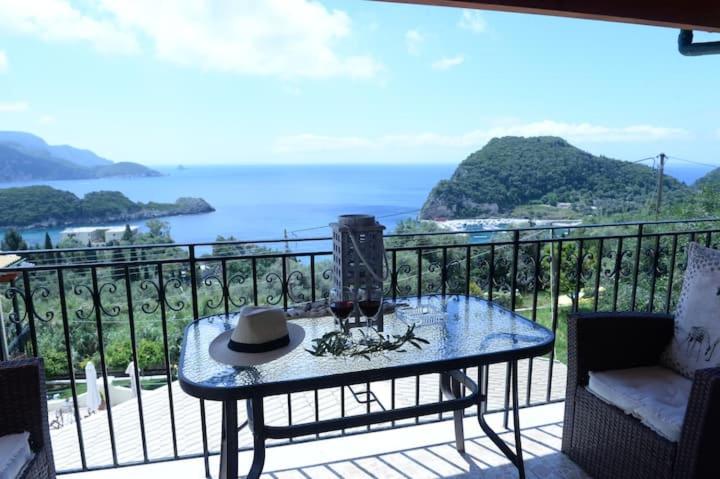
[327,226]
[694,162]
[645,159]
[660,167]
[399,214]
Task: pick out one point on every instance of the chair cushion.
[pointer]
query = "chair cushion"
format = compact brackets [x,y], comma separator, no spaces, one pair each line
[696,341]
[15,453]
[657,396]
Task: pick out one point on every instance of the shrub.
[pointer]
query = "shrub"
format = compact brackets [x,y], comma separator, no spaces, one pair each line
[150,354]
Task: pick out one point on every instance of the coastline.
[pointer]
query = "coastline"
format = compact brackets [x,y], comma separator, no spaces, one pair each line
[493,224]
[139,216]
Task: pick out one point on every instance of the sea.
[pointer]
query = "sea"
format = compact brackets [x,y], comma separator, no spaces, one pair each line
[279,201]
[268,202]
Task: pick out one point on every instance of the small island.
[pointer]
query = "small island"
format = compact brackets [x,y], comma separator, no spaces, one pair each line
[44,206]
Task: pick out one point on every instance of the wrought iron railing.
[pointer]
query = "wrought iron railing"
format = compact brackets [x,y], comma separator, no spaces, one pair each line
[112,305]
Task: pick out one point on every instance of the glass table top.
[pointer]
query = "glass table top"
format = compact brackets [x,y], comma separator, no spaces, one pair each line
[472,332]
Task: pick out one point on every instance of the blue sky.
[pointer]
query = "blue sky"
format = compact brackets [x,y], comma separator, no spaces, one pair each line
[300,81]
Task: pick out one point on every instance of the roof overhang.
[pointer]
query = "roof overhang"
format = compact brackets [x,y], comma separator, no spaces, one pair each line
[681,14]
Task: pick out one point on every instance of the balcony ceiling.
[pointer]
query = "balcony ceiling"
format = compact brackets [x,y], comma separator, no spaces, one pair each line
[685,14]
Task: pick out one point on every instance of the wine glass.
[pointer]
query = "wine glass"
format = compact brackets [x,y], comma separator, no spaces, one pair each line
[370,301]
[341,305]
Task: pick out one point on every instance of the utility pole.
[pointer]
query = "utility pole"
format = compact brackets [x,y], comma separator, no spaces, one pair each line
[661,175]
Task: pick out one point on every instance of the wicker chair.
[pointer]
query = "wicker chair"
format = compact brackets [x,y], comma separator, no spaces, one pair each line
[606,442]
[23,407]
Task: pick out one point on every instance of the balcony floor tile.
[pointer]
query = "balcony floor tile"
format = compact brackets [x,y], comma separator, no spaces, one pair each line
[416,452]
[158,431]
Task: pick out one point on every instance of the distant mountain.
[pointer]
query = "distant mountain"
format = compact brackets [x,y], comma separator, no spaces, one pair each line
[16,165]
[43,206]
[36,146]
[25,157]
[513,171]
[711,179]
[22,140]
[80,157]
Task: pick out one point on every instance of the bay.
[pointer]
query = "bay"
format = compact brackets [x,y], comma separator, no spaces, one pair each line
[264,202]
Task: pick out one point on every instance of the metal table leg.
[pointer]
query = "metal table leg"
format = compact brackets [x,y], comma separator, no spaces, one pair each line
[229,444]
[458,416]
[256,420]
[452,388]
[516,421]
[516,457]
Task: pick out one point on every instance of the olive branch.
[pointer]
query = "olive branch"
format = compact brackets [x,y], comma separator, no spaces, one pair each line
[340,343]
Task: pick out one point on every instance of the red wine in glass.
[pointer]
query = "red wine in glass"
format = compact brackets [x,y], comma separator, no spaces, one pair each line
[369,307]
[341,309]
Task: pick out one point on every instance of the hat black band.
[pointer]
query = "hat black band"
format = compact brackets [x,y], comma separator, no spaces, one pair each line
[259,347]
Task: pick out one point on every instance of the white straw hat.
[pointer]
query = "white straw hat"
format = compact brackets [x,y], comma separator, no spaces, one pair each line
[262,334]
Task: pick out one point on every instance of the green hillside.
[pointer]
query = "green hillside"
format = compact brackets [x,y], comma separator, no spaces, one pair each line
[46,206]
[711,179]
[510,172]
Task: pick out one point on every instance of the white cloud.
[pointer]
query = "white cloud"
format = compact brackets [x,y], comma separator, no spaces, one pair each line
[447,63]
[587,132]
[58,20]
[288,38]
[13,107]
[472,20]
[573,132]
[46,120]
[3,61]
[413,40]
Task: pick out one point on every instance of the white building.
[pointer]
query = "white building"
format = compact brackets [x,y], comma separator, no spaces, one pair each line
[96,234]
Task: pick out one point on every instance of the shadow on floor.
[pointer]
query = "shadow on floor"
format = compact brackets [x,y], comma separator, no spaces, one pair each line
[481,460]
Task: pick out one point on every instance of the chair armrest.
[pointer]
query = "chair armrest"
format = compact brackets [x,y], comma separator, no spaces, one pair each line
[23,404]
[697,455]
[602,341]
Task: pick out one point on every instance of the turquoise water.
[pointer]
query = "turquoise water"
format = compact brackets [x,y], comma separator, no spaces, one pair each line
[260,202]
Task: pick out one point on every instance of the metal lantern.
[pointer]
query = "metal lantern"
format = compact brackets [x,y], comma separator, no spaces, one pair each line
[358,256]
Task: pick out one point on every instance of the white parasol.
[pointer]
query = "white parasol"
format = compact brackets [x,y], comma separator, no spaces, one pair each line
[93,395]
[130,371]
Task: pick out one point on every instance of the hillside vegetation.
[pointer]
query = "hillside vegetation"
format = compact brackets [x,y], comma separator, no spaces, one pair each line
[34,206]
[510,172]
[710,180]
